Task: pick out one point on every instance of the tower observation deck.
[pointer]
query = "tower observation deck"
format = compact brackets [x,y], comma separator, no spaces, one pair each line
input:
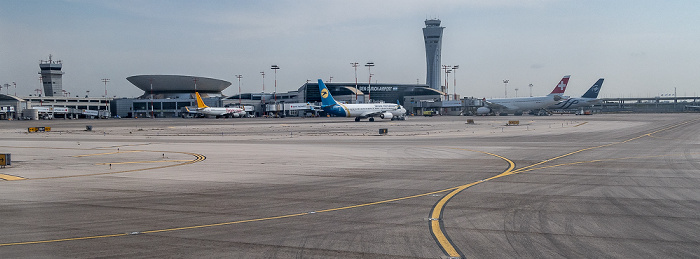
[432,34]
[51,77]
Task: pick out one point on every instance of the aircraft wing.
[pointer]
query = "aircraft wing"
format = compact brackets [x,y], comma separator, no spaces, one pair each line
[498,106]
[371,114]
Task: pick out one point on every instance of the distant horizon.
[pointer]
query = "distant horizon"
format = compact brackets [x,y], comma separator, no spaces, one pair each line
[642,49]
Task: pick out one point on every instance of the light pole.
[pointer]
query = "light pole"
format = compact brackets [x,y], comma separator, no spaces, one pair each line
[454,77]
[150,80]
[354,64]
[505,89]
[15,84]
[262,96]
[447,82]
[194,79]
[444,87]
[369,66]
[516,92]
[530,90]
[239,90]
[105,80]
[87,94]
[41,85]
[275,68]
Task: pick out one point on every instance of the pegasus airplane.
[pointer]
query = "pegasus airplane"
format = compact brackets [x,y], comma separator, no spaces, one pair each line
[586,100]
[392,111]
[217,111]
[520,104]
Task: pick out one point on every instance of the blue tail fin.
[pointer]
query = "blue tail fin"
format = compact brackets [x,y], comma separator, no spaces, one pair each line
[326,97]
[594,90]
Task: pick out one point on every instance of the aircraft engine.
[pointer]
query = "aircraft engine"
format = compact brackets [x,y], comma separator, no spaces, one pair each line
[483,111]
[387,115]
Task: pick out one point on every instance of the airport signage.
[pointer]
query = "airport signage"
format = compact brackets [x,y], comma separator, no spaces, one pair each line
[38,129]
[378,88]
[90,112]
[297,106]
[59,109]
[5,160]
[51,109]
[455,103]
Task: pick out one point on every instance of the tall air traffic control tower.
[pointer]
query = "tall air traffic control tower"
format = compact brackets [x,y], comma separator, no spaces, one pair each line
[432,34]
[51,77]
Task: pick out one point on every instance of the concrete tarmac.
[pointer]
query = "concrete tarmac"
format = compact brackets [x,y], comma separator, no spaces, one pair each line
[612,185]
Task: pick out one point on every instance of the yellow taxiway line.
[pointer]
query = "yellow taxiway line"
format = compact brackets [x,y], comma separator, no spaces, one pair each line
[10,177]
[142,162]
[109,153]
[436,215]
[443,240]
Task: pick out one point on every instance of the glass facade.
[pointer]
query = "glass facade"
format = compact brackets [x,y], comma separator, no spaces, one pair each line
[380,92]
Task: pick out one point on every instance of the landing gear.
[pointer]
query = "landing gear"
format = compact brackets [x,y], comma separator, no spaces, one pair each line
[371,119]
[357,119]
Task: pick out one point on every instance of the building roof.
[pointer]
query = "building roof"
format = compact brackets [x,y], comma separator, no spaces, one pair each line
[178,83]
[4,97]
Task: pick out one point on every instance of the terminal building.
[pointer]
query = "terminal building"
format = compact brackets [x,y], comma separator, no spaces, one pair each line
[302,101]
[168,95]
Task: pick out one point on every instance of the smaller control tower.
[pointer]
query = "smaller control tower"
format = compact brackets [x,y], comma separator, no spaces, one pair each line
[51,77]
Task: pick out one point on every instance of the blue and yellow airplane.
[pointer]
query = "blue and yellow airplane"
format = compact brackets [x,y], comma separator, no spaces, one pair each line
[387,111]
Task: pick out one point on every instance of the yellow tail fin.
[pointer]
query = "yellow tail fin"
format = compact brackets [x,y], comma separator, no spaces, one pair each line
[200,103]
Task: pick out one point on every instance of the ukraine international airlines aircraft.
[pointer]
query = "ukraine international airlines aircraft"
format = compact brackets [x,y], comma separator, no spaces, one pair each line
[390,111]
[518,105]
[586,100]
[217,111]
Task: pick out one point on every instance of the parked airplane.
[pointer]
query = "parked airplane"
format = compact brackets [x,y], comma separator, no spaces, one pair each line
[520,104]
[391,111]
[217,111]
[586,100]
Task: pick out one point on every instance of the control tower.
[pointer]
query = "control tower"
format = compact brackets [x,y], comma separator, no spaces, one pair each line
[432,34]
[51,77]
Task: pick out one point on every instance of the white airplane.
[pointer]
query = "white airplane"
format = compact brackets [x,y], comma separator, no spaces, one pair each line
[520,104]
[217,111]
[586,100]
[392,111]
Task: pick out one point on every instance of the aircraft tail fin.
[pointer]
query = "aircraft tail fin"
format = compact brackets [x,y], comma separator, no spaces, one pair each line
[326,97]
[561,87]
[594,90]
[200,103]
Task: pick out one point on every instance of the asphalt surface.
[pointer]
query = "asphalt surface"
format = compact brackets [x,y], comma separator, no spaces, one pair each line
[600,186]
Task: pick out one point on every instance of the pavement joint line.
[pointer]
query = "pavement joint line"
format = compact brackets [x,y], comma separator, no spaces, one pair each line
[198,158]
[434,224]
[225,223]
[110,153]
[142,162]
[437,228]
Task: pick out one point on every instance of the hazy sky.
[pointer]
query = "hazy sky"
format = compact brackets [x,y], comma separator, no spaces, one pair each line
[642,48]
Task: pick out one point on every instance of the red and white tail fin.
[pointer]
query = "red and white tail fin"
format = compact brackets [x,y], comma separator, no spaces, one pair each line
[561,87]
